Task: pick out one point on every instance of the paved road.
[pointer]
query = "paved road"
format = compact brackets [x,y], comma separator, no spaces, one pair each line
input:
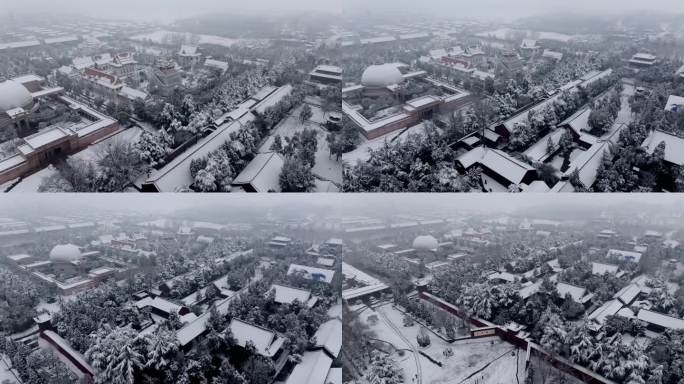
[416,354]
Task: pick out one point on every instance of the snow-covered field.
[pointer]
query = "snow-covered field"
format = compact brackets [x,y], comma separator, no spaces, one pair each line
[504,33]
[488,360]
[5,374]
[31,183]
[159,37]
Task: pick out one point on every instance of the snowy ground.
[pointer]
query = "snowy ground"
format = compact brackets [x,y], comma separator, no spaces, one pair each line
[129,135]
[488,360]
[31,183]
[326,166]
[545,373]
[158,37]
[6,375]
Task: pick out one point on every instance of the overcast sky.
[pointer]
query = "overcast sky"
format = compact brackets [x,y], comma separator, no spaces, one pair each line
[166,9]
[510,9]
[349,204]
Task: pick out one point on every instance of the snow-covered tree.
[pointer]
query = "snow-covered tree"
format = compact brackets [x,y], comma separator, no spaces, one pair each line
[382,370]
[161,344]
[115,356]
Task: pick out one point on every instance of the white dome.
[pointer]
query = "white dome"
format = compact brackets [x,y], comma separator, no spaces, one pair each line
[378,76]
[65,252]
[425,243]
[14,95]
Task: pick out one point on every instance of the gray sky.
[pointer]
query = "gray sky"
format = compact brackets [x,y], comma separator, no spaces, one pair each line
[166,9]
[513,8]
[353,204]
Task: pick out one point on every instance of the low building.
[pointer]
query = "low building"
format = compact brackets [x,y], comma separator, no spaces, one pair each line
[674,103]
[262,174]
[578,294]
[287,295]
[74,360]
[326,75]
[221,66]
[602,269]
[624,255]
[500,171]
[674,146]
[552,55]
[312,273]
[659,322]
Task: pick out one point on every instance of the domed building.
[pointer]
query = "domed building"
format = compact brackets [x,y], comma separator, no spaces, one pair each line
[14,95]
[15,102]
[65,253]
[425,243]
[380,76]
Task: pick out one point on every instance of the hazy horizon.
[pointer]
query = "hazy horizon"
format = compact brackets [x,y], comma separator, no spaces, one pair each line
[510,10]
[167,10]
[352,204]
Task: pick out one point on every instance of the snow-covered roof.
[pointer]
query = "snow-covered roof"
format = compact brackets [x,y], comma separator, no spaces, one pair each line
[530,289]
[313,369]
[262,173]
[589,161]
[628,293]
[334,376]
[176,174]
[577,293]
[660,319]
[272,99]
[159,303]
[353,293]
[539,150]
[503,164]
[222,65]
[644,56]
[502,276]
[329,337]
[287,295]
[674,103]
[66,348]
[17,258]
[552,54]
[312,273]
[267,342]
[609,308]
[132,93]
[600,269]
[624,255]
[674,145]
[325,261]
